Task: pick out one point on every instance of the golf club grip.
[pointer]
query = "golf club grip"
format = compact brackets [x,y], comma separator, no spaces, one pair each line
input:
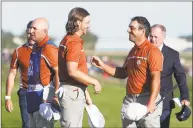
[142,119]
[174,87]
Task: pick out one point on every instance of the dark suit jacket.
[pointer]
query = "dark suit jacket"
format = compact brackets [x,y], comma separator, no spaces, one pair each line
[171,66]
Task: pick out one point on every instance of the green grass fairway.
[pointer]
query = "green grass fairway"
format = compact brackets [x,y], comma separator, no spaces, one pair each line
[109,102]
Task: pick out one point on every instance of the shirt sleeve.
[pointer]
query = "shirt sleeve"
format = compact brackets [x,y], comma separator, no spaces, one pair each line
[14,60]
[180,77]
[73,51]
[155,60]
[125,63]
[50,53]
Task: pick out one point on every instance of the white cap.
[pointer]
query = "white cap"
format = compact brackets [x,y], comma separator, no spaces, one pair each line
[135,111]
[49,113]
[95,117]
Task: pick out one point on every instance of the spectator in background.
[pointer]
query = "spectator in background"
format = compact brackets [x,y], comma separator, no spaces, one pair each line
[6,56]
[20,60]
[171,65]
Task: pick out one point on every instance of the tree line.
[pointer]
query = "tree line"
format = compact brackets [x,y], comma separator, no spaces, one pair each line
[90,40]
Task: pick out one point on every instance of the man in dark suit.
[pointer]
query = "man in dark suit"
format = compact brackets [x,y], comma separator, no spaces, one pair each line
[171,65]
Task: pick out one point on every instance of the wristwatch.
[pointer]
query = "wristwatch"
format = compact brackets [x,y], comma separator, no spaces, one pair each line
[7,97]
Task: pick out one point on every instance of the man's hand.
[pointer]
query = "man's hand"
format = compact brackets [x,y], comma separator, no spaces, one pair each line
[151,107]
[88,101]
[88,98]
[185,102]
[60,92]
[9,105]
[97,87]
[55,101]
[97,62]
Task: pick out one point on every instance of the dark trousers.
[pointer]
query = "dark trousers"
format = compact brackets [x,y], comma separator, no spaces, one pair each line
[23,107]
[165,118]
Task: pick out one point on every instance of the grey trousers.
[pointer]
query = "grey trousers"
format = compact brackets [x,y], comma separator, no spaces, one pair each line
[37,121]
[151,121]
[72,106]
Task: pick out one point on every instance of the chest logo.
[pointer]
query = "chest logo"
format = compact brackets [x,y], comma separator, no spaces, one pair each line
[30,69]
[138,62]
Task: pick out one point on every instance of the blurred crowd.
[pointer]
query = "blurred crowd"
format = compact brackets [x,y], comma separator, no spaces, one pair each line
[93,70]
[6,58]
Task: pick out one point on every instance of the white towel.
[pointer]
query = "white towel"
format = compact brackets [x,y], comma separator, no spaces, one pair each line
[49,113]
[135,111]
[95,117]
[46,111]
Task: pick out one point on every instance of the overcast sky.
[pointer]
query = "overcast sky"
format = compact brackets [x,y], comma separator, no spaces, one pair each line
[108,19]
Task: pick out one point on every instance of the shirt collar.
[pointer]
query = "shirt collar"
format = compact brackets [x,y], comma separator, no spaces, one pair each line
[27,45]
[161,46]
[43,41]
[75,37]
[142,45]
[79,38]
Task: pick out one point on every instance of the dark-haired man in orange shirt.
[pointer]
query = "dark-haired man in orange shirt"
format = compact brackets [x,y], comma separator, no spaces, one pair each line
[142,67]
[20,60]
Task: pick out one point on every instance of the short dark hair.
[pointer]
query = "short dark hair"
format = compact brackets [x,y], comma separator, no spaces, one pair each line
[76,14]
[29,24]
[144,23]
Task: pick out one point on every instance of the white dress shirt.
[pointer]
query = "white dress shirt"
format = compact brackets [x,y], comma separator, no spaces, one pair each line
[160,47]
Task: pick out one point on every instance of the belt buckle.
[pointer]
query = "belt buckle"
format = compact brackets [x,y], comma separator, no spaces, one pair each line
[31,88]
[133,95]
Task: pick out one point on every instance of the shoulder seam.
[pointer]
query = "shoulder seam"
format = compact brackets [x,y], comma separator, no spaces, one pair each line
[17,55]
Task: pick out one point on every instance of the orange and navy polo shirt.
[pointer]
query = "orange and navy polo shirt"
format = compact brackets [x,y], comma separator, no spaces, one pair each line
[49,59]
[71,50]
[20,59]
[140,62]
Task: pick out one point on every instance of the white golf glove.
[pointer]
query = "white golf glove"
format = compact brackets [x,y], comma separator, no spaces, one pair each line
[46,92]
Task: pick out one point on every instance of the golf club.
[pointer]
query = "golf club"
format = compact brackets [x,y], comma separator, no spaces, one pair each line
[157,103]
